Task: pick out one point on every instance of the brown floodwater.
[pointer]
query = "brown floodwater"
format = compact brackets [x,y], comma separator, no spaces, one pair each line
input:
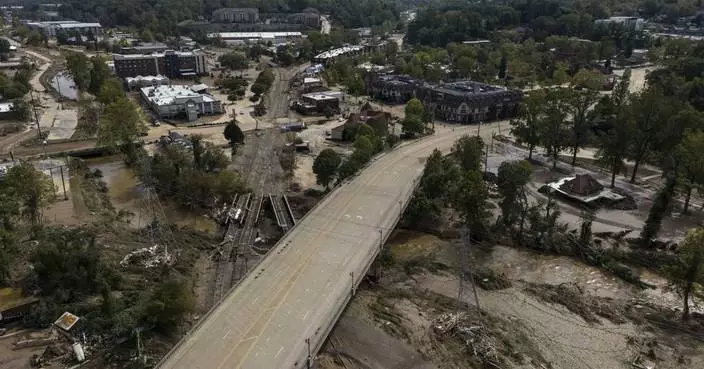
[127,193]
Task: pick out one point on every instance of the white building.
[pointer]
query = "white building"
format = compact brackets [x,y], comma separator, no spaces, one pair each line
[333,54]
[51,28]
[254,37]
[631,23]
[179,100]
[146,81]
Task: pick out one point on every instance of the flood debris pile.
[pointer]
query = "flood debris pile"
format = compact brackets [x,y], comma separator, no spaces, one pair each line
[149,257]
[489,342]
[571,296]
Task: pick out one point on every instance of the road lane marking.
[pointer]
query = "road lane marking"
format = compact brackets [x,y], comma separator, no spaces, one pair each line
[279,353]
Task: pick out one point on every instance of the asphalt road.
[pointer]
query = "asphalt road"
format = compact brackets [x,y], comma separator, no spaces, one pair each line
[301,287]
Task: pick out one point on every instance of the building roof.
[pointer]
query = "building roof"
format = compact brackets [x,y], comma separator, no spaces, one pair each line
[79,25]
[253,35]
[174,94]
[6,107]
[155,55]
[466,88]
[582,185]
[339,51]
[66,321]
[308,80]
[146,78]
[236,10]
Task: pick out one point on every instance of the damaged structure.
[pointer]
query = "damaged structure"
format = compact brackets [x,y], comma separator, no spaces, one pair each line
[463,102]
[347,131]
[585,189]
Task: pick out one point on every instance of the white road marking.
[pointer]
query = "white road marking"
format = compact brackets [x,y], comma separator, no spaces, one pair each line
[227,334]
[279,353]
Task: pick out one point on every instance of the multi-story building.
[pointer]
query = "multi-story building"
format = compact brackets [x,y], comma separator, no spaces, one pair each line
[180,101]
[394,88]
[469,102]
[173,64]
[51,28]
[630,23]
[462,102]
[236,15]
[145,48]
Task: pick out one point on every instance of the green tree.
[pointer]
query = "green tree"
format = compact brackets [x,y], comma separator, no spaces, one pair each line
[170,302]
[648,110]
[260,109]
[233,133]
[355,85]
[31,188]
[110,91]
[688,271]
[660,208]
[325,166]
[691,163]
[580,105]
[79,67]
[20,110]
[68,265]
[8,251]
[120,124]
[412,125]
[414,108]
[234,60]
[554,130]
[527,127]
[99,73]
[614,137]
[512,179]
[471,202]
[469,150]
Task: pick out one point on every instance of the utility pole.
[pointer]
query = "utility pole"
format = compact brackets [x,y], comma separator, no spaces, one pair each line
[36,116]
[58,88]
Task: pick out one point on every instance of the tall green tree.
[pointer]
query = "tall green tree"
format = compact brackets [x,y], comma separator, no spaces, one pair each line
[412,125]
[554,128]
[649,111]
[415,108]
[511,181]
[120,124]
[110,91]
[32,189]
[471,202]
[79,67]
[325,166]
[99,73]
[526,128]
[233,60]
[580,105]
[233,133]
[469,150]
[688,271]
[658,211]
[691,163]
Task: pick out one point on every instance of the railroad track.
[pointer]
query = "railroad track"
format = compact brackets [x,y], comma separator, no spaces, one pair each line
[224,268]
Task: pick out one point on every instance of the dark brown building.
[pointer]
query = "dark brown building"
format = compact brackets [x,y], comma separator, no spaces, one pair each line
[462,102]
[173,64]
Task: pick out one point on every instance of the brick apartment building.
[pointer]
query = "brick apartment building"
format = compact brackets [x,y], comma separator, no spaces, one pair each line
[173,64]
[462,102]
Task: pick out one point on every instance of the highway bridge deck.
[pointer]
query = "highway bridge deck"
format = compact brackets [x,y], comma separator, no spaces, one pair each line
[295,295]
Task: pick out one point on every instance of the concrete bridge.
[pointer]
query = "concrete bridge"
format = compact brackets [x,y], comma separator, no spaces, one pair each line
[281,313]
